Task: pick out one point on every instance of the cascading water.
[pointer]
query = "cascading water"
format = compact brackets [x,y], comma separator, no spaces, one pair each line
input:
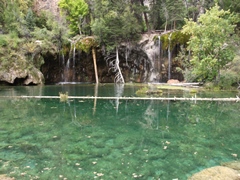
[160,60]
[69,67]
[74,61]
[169,56]
[62,65]
[151,48]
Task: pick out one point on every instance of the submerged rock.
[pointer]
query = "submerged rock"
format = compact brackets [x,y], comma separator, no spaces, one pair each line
[4,177]
[216,173]
[173,81]
[233,165]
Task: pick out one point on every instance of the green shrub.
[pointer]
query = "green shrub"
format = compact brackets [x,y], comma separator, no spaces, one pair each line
[3,41]
[228,79]
[230,75]
[146,91]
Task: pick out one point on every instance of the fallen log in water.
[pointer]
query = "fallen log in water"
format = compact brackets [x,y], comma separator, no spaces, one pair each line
[236,99]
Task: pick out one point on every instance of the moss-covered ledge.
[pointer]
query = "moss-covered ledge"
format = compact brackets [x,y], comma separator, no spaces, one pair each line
[16,70]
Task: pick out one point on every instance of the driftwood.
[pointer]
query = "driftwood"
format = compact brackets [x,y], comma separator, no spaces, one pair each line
[236,99]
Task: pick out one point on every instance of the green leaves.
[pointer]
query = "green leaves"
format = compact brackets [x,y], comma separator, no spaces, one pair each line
[210,42]
[76,10]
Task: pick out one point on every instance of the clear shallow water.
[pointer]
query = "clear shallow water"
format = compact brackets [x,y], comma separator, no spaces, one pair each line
[112,139]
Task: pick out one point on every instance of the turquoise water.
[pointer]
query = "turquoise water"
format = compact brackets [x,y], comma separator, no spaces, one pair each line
[113,139]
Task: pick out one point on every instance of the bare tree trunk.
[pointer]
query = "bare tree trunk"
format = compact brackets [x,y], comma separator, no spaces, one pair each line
[95,64]
[145,16]
[119,77]
[166,26]
[165,14]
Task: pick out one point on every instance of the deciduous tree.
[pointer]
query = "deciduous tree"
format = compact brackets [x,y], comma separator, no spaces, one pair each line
[76,11]
[210,42]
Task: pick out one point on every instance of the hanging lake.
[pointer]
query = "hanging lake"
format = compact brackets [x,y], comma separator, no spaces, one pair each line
[43,138]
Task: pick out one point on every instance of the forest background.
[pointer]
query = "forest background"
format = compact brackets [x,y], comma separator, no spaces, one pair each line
[30,35]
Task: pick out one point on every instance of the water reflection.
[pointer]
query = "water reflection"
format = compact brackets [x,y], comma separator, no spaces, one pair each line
[95,100]
[118,91]
[121,139]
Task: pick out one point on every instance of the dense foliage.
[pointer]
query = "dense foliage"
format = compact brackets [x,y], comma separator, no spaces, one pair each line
[114,22]
[27,37]
[211,42]
[75,10]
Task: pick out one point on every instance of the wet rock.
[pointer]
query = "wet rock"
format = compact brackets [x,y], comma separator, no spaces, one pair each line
[216,173]
[173,81]
[17,75]
[47,5]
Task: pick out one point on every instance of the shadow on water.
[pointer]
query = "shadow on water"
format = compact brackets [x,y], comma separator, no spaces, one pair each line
[114,139]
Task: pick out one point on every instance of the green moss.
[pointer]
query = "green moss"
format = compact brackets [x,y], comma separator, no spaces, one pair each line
[177,37]
[146,91]
[193,91]
[141,91]
[87,43]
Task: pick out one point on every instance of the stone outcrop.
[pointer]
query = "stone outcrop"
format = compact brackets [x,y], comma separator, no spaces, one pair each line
[173,81]
[47,5]
[15,75]
[4,177]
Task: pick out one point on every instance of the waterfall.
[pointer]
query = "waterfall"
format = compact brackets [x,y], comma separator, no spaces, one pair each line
[62,64]
[127,52]
[169,56]
[160,61]
[73,65]
[69,68]
[150,46]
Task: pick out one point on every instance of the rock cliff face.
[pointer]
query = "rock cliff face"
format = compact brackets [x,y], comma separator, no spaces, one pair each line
[47,5]
[143,62]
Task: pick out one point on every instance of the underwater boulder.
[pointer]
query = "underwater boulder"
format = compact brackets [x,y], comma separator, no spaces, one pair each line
[216,173]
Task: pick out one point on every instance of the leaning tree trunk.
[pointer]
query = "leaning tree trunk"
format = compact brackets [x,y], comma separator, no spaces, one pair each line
[95,64]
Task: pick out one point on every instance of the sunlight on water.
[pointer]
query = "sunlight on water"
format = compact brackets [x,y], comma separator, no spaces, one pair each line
[115,139]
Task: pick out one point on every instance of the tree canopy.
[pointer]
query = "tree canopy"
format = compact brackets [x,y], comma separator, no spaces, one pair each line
[75,10]
[211,42]
[115,23]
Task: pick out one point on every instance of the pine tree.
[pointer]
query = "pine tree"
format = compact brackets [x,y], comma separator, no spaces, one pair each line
[113,26]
